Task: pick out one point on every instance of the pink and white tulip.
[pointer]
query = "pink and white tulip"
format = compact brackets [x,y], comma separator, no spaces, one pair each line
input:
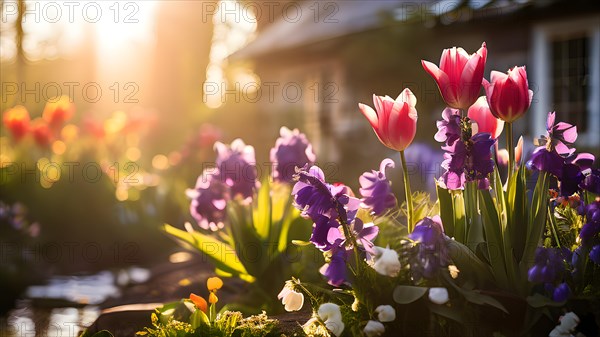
[394,121]
[459,75]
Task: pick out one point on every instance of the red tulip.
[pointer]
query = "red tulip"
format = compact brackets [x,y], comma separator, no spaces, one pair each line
[17,121]
[459,75]
[486,122]
[508,95]
[41,133]
[58,111]
[394,121]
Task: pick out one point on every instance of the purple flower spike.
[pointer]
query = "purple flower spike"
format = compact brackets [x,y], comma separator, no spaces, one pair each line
[591,181]
[561,293]
[291,150]
[376,189]
[549,266]
[431,253]
[595,254]
[237,167]
[467,158]
[209,200]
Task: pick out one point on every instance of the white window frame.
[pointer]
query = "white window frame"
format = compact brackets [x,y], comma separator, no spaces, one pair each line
[543,35]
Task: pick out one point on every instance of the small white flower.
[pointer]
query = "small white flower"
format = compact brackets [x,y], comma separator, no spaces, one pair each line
[438,295]
[385,313]
[386,262]
[374,329]
[291,299]
[332,316]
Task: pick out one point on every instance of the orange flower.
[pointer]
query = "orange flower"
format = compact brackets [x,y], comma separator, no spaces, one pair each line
[58,111]
[17,121]
[212,298]
[214,283]
[41,132]
[199,302]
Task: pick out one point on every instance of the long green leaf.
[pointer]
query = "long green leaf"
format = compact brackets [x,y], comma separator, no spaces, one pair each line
[537,221]
[446,210]
[470,266]
[493,235]
[262,210]
[220,254]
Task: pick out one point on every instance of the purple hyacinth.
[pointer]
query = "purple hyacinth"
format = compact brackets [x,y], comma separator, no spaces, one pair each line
[467,158]
[291,150]
[591,228]
[431,253]
[549,266]
[376,189]
[561,293]
[209,200]
[237,167]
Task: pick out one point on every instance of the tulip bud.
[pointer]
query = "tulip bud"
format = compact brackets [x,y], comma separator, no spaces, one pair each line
[486,121]
[16,121]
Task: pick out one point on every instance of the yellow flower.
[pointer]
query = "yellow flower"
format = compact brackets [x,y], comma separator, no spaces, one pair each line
[214,283]
[212,298]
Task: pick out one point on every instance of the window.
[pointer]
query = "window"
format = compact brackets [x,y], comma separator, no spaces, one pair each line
[570,80]
[566,76]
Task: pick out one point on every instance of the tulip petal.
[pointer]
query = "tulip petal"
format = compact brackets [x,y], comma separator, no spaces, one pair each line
[370,114]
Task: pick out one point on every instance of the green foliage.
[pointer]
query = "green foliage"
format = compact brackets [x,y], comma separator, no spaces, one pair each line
[254,246]
[183,319]
[501,228]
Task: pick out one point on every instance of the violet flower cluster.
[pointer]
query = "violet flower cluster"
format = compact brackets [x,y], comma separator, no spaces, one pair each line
[556,156]
[431,253]
[235,175]
[333,211]
[549,270]
[468,157]
[590,238]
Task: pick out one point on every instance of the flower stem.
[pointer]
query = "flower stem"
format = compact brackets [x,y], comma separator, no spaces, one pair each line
[409,204]
[511,149]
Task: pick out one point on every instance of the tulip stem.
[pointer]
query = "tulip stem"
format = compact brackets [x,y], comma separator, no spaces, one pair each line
[511,149]
[409,204]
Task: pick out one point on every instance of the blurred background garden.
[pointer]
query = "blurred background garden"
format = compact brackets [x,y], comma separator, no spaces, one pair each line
[110,110]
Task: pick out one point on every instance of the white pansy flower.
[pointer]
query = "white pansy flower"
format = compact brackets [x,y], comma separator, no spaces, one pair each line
[374,329]
[385,313]
[291,299]
[386,262]
[332,317]
[438,295]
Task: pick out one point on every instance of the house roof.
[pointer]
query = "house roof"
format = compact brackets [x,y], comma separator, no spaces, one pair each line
[345,17]
[336,19]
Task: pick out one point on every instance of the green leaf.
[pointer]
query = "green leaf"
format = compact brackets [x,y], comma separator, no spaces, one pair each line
[408,294]
[446,209]
[221,255]
[476,297]
[447,312]
[248,245]
[261,212]
[198,318]
[539,301]
[460,219]
[493,235]
[469,265]
[301,243]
